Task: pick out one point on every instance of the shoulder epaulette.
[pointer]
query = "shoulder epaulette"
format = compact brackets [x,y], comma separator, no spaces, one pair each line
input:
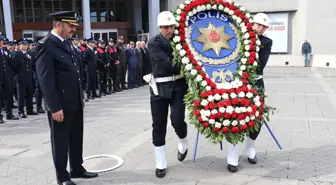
[43,40]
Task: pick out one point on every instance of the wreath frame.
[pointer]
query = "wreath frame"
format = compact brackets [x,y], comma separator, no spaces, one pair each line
[205,99]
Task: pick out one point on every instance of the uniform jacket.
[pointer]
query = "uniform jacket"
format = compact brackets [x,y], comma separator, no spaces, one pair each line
[121,53]
[161,55]
[6,65]
[58,74]
[264,53]
[147,67]
[79,57]
[24,68]
[90,59]
[138,52]
[131,58]
[102,59]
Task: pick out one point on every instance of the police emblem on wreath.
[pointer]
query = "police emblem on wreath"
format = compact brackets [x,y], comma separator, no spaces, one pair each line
[217,49]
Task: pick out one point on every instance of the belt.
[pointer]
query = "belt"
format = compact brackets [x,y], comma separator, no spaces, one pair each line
[168,78]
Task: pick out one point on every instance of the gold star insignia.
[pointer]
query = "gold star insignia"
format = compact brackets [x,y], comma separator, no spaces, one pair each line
[214,38]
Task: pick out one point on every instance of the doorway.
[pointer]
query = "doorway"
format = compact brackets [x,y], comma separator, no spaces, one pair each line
[104,34]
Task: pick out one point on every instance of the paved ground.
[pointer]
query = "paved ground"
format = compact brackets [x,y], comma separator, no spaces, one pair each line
[120,125]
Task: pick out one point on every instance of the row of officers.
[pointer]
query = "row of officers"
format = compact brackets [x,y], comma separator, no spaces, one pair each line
[105,68]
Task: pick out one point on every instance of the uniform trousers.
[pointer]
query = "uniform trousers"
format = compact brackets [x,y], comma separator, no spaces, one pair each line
[159,110]
[39,97]
[25,95]
[255,134]
[91,81]
[112,77]
[6,87]
[103,81]
[123,70]
[67,138]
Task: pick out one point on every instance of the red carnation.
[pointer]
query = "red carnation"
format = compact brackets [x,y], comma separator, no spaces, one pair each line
[227,115]
[249,27]
[234,115]
[197,112]
[231,91]
[198,68]
[194,62]
[203,75]
[209,93]
[245,88]
[216,130]
[212,105]
[235,101]
[216,91]
[221,104]
[206,107]
[251,124]
[232,7]
[244,81]
[182,37]
[250,60]
[252,47]
[252,34]
[212,116]
[235,129]
[213,85]
[204,95]
[200,119]
[227,4]
[227,103]
[197,103]
[243,127]
[253,40]
[225,130]
[208,80]
[251,91]
[237,13]
[245,75]
[219,115]
[241,116]
[205,124]
[246,21]
[242,16]
[184,14]
[222,91]
[253,54]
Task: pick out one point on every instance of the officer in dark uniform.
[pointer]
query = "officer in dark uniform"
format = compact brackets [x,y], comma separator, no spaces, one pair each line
[123,62]
[59,77]
[260,24]
[6,81]
[90,60]
[24,79]
[169,90]
[113,81]
[103,65]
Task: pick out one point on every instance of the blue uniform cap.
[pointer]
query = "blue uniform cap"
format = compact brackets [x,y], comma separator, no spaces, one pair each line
[71,17]
[91,40]
[75,37]
[23,41]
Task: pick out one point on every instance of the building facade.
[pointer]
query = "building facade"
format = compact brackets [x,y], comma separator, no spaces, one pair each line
[104,19]
[292,22]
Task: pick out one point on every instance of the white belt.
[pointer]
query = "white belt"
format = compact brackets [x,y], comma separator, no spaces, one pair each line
[168,79]
[259,77]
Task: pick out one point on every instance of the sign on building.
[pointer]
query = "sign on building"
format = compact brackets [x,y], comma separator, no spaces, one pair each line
[278,31]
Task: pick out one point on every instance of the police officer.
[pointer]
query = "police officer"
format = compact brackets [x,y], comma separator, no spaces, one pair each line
[123,62]
[6,81]
[103,64]
[59,76]
[113,81]
[39,95]
[24,79]
[260,24]
[90,60]
[171,88]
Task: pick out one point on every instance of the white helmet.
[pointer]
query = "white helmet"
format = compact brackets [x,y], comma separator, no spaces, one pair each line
[166,18]
[261,18]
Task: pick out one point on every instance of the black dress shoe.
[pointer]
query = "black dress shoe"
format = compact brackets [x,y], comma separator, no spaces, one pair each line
[85,175]
[69,182]
[2,121]
[32,113]
[22,115]
[232,168]
[40,110]
[12,117]
[160,173]
[180,156]
[252,161]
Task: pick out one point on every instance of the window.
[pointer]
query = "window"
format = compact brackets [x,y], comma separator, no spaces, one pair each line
[120,11]
[102,9]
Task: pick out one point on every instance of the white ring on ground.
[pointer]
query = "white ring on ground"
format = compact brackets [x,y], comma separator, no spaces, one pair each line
[119,159]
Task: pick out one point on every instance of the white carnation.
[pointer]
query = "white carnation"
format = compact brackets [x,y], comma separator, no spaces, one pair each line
[177,18]
[247,47]
[185,60]
[210,98]
[258,42]
[222,109]
[247,119]
[247,54]
[229,109]
[257,49]
[255,63]
[208,88]
[193,72]
[226,10]
[226,123]
[207,113]
[246,35]
[217,97]
[257,113]
[248,15]
[225,96]
[247,42]
[238,110]
[242,67]
[187,2]
[198,78]
[252,118]
[203,7]
[208,6]
[241,94]
[244,29]
[242,122]
[202,112]
[182,6]
[242,9]
[182,52]
[240,83]
[218,125]
[239,20]
[188,67]
[258,104]
[243,109]
[194,11]
[177,39]
[204,83]
[199,8]
[234,123]
[214,111]
[176,32]
[249,109]
[240,73]
[212,121]
[249,95]
[178,46]
[204,102]
[231,12]
[233,95]
[214,7]
[244,60]
[221,7]
[257,56]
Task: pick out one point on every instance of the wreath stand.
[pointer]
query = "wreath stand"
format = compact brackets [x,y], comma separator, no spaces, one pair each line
[119,163]
[221,144]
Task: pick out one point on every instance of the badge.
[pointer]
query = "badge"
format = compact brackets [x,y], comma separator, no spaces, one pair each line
[216,47]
